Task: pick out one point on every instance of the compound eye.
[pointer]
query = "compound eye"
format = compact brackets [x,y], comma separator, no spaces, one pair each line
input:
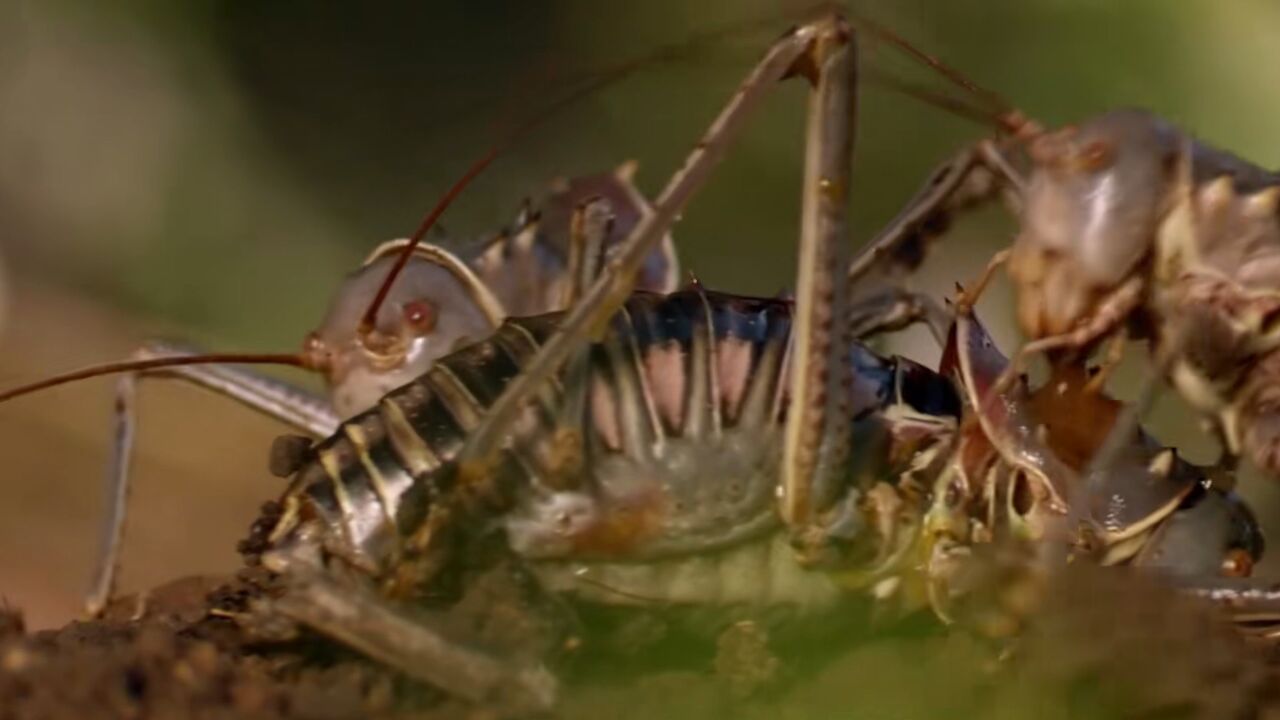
[420,316]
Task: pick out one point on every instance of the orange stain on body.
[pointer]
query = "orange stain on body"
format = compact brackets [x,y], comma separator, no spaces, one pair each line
[622,527]
[1060,404]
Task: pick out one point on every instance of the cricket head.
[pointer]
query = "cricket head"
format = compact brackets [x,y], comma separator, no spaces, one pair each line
[1093,204]
[436,306]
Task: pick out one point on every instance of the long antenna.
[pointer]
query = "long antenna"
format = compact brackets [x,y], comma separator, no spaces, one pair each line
[368,321]
[929,96]
[590,84]
[997,102]
[292,359]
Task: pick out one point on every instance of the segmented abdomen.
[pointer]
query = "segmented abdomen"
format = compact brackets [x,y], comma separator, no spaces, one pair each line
[663,441]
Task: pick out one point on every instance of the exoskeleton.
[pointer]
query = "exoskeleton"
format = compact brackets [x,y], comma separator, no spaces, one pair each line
[1129,226]
[692,449]
[700,450]
[1022,459]
[574,454]
[445,299]
[646,479]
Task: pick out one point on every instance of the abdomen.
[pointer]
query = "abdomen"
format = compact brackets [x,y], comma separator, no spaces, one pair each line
[670,464]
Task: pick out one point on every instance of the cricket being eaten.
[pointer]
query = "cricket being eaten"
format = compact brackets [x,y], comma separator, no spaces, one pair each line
[551,418]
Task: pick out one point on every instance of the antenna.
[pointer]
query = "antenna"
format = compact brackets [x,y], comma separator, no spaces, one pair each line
[292,359]
[997,109]
[928,96]
[954,76]
[592,84]
[587,85]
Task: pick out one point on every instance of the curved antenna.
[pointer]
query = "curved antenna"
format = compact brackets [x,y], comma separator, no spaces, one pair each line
[957,78]
[592,84]
[998,109]
[292,359]
[956,106]
[409,246]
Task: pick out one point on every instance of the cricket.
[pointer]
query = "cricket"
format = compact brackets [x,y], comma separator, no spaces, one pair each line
[556,448]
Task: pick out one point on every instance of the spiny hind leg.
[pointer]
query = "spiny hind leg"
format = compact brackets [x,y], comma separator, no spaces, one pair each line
[286,403]
[815,440]
[606,295]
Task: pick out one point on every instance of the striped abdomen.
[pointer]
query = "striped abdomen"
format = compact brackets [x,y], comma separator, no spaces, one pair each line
[662,441]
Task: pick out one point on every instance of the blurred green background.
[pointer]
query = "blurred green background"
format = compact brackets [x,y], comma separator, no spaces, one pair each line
[210,170]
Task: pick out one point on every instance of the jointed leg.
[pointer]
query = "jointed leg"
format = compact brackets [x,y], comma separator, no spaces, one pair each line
[590,228]
[1107,317]
[608,293]
[816,434]
[1129,420]
[1111,359]
[589,231]
[1253,604]
[373,625]
[970,178]
[968,295]
[298,408]
[894,309]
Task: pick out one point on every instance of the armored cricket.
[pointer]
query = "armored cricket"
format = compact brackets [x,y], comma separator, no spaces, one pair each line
[642,446]
[1128,227]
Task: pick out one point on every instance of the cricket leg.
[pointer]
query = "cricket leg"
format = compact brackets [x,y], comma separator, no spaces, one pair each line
[589,231]
[286,403]
[1222,472]
[967,295]
[1251,603]
[605,297]
[562,458]
[414,645]
[893,309]
[1109,315]
[816,433]
[971,178]
[1111,359]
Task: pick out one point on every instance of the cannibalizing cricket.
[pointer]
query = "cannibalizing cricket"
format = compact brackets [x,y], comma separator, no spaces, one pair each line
[1131,227]
[552,416]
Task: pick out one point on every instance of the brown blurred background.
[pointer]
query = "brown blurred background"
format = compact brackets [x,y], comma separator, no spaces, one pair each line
[209,171]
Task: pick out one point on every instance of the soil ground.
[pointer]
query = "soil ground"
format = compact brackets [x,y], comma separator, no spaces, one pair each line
[1106,645]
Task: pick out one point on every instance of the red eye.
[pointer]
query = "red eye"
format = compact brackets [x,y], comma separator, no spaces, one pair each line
[420,316]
